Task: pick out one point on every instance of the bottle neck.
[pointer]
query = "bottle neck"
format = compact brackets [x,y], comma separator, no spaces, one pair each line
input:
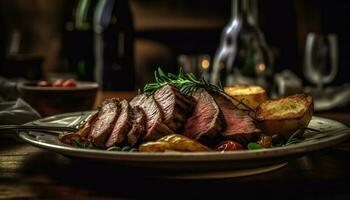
[246,10]
[84,8]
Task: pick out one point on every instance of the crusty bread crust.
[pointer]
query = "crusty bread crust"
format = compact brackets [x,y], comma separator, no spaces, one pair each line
[284,116]
[290,107]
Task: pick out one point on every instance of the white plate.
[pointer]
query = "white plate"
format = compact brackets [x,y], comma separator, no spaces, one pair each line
[194,164]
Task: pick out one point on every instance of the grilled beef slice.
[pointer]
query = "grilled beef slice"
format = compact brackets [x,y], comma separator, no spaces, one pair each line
[155,127]
[240,126]
[175,106]
[107,116]
[207,119]
[138,126]
[122,125]
[85,130]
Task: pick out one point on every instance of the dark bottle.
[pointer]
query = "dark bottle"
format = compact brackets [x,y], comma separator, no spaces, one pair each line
[114,41]
[78,40]
[2,43]
[243,56]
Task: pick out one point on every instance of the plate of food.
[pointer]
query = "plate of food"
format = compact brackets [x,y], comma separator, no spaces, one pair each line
[187,128]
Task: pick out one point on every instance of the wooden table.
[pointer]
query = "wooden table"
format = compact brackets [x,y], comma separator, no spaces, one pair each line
[32,173]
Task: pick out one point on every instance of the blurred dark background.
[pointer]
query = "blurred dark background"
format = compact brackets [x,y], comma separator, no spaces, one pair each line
[42,38]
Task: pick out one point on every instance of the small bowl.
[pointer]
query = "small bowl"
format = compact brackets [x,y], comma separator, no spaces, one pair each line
[56,100]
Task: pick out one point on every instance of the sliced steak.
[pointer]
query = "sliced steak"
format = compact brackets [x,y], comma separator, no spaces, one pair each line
[155,127]
[85,130]
[240,126]
[122,125]
[138,127]
[107,116]
[207,119]
[176,107]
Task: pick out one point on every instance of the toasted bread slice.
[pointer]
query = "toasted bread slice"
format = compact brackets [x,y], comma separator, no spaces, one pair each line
[250,95]
[285,115]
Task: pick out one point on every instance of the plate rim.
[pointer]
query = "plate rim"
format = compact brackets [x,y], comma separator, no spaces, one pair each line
[189,156]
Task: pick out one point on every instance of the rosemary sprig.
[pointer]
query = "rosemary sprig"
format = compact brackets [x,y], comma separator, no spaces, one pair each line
[293,139]
[186,83]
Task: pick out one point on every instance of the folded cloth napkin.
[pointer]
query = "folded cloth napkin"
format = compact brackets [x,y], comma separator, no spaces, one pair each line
[14,110]
[17,112]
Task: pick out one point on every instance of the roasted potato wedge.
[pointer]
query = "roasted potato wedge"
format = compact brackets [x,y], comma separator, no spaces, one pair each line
[285,115]
[155,147]
[173,142]
[250,95]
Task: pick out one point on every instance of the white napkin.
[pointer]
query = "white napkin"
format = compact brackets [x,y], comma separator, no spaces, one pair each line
[14,110]
[17,112]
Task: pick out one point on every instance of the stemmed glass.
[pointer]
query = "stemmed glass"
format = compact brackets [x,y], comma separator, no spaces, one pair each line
[321,59]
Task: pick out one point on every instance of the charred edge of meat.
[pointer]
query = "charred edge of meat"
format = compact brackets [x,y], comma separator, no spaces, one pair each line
[158,130]
[150,107]
[85,129]
[139,99]
[183,107]
[121,126]
[214,135]
[108,101]
[155,126]
[82,133]
[107,115]
[175,106]
[185,101]
[138,127]
[240,126]
[206,114]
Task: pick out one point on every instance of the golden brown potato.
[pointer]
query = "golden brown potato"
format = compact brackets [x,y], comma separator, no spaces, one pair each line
[285,115]
[173,142]
[155,147]
[250,95]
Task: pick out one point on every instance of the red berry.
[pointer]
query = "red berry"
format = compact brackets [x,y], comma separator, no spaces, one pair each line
[58,83]
[229,146]
[44,84]
[69,83]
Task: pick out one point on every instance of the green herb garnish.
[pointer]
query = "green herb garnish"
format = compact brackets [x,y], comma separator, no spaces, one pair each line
[186,83]
[253,146]
[114,148]
[125,148]
[293,139]
[79,144]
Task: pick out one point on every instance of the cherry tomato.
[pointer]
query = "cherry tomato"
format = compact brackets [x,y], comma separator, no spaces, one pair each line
[69,83]
[44,84]
[58,83]
[229,146]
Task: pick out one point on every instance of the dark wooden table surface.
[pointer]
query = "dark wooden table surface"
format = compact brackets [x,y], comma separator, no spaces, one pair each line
[27,172]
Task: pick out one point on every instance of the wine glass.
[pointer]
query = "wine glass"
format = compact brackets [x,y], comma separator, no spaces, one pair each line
[321,59]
